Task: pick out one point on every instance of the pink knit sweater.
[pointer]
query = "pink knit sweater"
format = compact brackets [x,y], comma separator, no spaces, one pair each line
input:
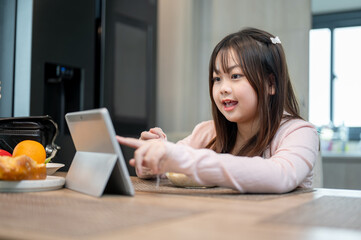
[286,164]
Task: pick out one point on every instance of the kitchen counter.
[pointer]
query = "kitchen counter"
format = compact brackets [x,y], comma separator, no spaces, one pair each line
[338,155]
[168,212]
[341,170]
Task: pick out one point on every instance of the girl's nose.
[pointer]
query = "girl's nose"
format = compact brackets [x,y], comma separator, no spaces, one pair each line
[225,89]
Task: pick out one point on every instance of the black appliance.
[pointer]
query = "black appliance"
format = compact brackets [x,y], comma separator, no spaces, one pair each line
[86,54]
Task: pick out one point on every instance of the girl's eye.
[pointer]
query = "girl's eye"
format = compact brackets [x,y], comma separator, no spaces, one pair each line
[236,76]
[216,79]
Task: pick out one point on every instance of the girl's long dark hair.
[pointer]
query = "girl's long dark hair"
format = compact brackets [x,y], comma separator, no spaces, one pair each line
[264,64]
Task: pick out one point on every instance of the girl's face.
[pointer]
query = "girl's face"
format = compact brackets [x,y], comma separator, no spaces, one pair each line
[234,96]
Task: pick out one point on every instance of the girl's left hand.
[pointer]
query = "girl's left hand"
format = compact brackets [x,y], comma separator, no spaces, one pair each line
[150,153]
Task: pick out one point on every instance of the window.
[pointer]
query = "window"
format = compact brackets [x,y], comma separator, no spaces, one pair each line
[335,64]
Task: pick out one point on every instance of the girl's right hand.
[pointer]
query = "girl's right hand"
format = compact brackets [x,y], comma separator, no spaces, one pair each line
[149,155]
[153,133]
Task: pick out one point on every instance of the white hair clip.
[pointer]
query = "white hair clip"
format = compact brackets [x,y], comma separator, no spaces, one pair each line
[276,40]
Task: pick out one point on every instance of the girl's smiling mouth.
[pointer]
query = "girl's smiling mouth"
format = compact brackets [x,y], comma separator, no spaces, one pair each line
[229,105]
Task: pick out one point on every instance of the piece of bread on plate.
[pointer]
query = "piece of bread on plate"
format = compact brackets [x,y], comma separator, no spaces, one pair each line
[21,168]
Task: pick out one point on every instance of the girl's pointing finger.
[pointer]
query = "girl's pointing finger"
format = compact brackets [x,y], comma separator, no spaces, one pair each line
[130,142]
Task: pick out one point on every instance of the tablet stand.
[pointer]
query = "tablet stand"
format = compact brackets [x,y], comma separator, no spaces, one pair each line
[89,172]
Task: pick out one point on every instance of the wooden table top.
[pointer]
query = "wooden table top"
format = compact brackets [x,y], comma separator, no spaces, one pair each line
[154,213]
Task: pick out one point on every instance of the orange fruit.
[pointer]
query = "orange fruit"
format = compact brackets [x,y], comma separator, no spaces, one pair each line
[32,149]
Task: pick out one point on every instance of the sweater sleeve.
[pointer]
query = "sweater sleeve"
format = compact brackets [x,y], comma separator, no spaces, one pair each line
[201,135]
[294,152]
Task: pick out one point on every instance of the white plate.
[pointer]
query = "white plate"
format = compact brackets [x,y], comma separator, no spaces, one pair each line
[50,183]
[51,168]
[182,180]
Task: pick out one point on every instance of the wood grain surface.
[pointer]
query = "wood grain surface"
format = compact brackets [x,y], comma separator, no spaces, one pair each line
[161,213]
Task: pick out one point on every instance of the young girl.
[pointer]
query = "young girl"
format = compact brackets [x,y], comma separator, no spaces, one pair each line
[256,142]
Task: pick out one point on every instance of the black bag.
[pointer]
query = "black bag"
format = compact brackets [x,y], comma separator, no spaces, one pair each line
[41,129]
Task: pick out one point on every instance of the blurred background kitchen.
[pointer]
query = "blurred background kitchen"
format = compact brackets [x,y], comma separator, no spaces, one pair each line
[147,62]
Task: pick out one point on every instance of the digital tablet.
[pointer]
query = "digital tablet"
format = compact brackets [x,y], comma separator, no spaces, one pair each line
[98,165]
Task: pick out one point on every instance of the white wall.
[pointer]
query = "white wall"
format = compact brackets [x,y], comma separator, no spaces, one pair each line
[189,29]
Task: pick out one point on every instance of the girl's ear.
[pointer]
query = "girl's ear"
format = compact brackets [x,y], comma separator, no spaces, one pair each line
[271,85]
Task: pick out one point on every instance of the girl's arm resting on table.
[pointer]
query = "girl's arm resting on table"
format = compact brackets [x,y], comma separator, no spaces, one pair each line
[292,161]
